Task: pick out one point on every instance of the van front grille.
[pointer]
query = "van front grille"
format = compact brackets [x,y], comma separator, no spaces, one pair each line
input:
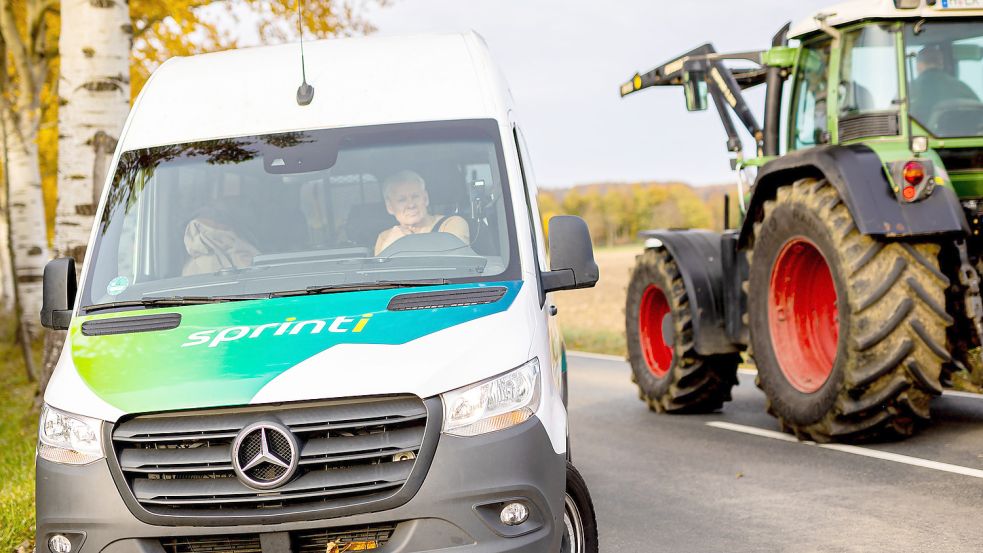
[353,453]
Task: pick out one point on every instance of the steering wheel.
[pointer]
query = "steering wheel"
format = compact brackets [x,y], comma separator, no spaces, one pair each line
[956,117]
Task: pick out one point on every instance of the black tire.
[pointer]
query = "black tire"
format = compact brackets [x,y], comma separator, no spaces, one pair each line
[890,302]
[691,383]
[580,524]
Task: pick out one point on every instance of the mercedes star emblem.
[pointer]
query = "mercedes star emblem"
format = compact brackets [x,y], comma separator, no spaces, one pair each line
[265,455]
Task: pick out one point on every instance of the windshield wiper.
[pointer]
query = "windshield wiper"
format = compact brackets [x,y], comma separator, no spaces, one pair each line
[377,285]
[171,301]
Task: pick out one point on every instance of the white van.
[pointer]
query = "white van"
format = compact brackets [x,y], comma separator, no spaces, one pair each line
[316,326]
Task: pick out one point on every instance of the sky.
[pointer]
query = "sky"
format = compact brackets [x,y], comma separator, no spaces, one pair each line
[565,60]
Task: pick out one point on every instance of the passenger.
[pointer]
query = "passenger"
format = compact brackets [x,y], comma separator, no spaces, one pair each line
[214,245]
[407,200]
[934,85]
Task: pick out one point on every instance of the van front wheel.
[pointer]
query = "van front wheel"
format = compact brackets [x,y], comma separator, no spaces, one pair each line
[579,523]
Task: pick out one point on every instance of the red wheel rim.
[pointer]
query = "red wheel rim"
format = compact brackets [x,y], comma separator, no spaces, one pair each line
[653,315]
[802,315]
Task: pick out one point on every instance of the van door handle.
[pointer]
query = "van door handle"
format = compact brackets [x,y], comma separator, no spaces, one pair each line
[553,310]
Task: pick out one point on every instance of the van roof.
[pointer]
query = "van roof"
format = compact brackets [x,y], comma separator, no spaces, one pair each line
[357,81]
[859,10]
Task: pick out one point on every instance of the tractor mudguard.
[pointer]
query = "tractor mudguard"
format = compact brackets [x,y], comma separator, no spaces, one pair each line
[858,175]
[698,255]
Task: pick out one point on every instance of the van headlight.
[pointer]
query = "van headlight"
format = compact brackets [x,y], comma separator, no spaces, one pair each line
[495,404]
[69,439]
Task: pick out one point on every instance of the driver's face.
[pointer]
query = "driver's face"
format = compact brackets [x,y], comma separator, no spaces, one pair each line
[408,202]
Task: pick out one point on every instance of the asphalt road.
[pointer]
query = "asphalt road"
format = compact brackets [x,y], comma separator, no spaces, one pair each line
[677,483]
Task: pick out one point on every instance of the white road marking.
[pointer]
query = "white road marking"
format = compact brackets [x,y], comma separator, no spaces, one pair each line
[855,450]
[967,395]
[599,356]
[754,431]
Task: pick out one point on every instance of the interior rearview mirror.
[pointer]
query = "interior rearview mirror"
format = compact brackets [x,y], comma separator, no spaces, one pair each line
[58,293]
[695,89]
[571,255]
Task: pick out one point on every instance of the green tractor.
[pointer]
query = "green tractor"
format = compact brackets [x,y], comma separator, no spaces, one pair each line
[852,281]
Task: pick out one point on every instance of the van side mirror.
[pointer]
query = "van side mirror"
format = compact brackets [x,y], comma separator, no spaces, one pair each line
[695,89]
[59,293]
[571,255]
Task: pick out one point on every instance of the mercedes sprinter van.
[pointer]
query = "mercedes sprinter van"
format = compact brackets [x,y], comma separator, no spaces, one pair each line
[316,318]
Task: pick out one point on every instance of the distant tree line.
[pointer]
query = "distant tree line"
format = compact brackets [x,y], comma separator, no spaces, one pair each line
[616,213]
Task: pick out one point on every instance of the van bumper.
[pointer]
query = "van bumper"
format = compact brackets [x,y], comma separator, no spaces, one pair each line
[456,507]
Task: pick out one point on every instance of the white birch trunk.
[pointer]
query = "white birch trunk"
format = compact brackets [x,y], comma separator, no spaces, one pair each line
[94,95]
[27,223]
[6,266]
[94,91]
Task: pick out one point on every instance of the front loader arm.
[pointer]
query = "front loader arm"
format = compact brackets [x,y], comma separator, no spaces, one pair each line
[723,85]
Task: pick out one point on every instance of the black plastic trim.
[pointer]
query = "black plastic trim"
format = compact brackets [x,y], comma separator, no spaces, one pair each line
[961,159]
[127,325]
[446,298]
[736,272]
[868,124]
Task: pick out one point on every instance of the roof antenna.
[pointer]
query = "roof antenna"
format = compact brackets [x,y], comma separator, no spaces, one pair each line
[305,92]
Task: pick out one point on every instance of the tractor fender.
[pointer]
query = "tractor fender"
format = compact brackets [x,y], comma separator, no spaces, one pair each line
[697,253]
[858,175]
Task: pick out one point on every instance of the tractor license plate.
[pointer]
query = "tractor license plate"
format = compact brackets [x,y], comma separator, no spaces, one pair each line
[959,4]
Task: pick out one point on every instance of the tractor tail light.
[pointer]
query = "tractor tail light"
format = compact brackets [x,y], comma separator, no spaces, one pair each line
[913,173]
[909,192]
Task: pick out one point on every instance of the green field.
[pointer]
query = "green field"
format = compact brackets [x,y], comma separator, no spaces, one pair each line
[594,319]
[18,437]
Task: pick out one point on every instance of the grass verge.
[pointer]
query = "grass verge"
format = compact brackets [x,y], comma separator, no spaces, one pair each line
[18,436]
[595,341]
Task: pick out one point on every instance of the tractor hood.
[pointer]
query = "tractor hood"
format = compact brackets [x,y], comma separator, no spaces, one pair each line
[290,349]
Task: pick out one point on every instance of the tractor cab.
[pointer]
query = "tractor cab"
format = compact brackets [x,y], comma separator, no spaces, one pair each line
[906,80]
[852,281]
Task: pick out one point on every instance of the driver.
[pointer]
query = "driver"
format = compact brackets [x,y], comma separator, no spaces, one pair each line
[406,199]
[934,84]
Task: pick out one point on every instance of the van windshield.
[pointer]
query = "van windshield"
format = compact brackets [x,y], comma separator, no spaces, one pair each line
[305,212]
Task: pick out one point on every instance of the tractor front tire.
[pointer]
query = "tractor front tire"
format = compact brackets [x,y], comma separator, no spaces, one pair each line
[671,376]
[848,332]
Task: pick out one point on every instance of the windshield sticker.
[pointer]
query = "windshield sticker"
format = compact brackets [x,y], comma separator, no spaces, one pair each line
[117,286]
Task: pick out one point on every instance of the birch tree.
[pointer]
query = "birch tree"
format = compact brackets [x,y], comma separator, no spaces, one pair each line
[94,97]
[23,29]
[6,266]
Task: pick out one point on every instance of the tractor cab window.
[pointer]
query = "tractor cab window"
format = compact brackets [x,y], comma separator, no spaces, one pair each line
[869,71]
[810,127]
[944,66]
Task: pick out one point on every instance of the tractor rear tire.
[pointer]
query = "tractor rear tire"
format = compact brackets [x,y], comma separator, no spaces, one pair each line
[848,332]
[671,376]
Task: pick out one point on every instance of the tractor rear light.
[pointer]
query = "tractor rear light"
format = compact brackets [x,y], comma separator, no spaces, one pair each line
[915,179]
[909,192]
[914,174]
